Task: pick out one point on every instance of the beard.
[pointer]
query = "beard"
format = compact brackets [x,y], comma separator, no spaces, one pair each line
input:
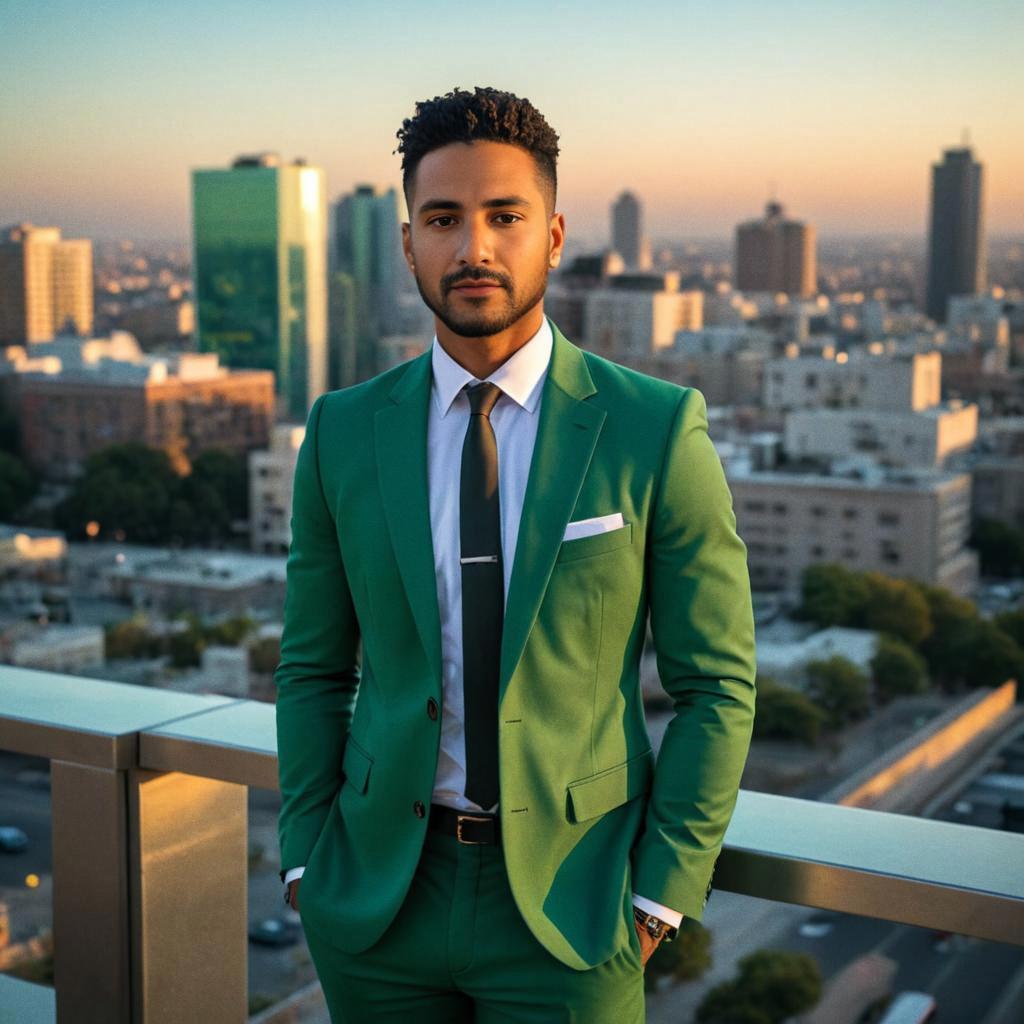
[495,314]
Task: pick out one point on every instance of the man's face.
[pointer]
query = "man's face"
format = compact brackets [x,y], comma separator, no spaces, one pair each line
[480,239]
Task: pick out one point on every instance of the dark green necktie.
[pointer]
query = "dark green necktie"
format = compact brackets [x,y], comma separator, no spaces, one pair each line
[483,595]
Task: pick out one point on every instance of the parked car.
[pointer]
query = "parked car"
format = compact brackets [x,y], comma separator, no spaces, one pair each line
[12,840]
[910,1008]
[817,926]
[272,931]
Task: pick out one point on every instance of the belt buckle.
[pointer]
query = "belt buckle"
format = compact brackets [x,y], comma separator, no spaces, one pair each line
[458,828]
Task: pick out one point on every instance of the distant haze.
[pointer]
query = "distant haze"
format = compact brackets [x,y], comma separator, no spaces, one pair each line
[698,108]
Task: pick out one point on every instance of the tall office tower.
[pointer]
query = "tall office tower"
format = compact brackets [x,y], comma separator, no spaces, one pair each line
[776,255]
[45,284]
[956,234]
[342,331]
[628,232]
[368,247]
[260,267]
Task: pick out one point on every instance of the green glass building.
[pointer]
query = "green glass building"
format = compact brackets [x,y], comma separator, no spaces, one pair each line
[259,261]
[368,248]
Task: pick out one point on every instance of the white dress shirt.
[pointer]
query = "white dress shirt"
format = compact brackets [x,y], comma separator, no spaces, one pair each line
[514,418]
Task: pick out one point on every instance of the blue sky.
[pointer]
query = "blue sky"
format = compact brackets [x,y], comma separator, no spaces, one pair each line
[698,107]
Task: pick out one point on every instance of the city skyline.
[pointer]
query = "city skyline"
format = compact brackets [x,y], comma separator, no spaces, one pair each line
[702,114]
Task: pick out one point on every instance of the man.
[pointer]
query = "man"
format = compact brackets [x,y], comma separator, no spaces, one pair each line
[479,537]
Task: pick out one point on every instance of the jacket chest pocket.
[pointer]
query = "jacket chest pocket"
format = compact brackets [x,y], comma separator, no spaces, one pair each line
[595,544]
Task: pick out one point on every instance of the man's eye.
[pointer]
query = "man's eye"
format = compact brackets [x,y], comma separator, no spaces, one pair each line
[446,219]
[510,218]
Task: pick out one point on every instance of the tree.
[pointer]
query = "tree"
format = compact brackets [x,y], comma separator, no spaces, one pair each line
[125,487]
[201,515]
[840,688]
[10,430]
[265,654]
[831,594]
[897,669]
[1000,548]
[997,657]
[1012,624]
[134,493]
[949,648]
[772,986]
[129,639]
[230,632]
[228,475]
[783,712]
[896,606]
[17,485]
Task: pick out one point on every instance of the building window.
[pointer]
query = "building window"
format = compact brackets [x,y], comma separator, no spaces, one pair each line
[889,552]
[887,517]
[850,513]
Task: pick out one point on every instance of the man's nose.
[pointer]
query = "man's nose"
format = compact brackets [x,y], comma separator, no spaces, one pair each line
[475,244]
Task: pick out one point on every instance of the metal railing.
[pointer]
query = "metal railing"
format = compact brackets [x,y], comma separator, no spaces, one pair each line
[150,865]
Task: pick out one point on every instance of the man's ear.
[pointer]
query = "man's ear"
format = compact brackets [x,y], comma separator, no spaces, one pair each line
[557,239]
[407,246]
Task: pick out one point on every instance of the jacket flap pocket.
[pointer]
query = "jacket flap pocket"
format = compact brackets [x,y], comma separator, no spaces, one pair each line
[599,793]
[356,765]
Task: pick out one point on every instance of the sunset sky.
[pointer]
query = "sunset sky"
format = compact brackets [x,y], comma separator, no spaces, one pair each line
[698,107]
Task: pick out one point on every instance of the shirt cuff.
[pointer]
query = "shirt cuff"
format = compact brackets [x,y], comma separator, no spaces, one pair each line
[671,917]
[297,873]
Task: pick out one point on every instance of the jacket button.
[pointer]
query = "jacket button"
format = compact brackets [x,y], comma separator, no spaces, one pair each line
[418,809]
[432,709]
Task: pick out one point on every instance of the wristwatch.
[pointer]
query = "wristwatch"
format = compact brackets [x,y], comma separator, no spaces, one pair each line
[656,928]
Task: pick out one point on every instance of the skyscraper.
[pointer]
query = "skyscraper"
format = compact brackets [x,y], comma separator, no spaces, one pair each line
[368,247]
[45,284]
[776,255]
[956,234]
[260,266]
[628,238]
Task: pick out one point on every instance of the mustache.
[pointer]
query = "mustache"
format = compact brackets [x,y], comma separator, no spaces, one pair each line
[449,281]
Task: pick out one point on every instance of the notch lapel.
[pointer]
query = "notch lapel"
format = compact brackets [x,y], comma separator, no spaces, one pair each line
[400,433]
[567,434]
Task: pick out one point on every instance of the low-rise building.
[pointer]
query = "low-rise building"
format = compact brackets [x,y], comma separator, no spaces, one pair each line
[271,478]
[905,523]
[77,396]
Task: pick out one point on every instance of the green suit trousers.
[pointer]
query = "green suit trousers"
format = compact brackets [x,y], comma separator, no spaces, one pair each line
[459,951]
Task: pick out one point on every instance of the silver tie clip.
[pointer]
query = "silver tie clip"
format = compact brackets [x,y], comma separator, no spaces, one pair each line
[479,558]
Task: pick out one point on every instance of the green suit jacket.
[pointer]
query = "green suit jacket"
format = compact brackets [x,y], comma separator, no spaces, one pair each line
[586,816]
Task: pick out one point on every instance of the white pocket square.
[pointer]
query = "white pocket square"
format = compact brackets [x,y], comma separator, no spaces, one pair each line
[598,524]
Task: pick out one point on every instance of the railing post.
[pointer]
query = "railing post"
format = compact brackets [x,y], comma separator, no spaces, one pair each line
[149,898]
[91,916]
[188,854]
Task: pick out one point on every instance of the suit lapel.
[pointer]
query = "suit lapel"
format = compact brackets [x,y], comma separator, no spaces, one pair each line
[566,436]
[401,443]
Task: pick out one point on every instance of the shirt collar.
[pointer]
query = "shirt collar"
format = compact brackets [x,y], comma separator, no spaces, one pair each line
[520,376]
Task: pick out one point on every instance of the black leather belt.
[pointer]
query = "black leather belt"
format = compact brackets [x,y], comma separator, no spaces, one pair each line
[468,827]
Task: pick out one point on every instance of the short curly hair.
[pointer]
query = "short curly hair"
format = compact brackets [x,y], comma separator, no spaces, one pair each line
[482,115]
